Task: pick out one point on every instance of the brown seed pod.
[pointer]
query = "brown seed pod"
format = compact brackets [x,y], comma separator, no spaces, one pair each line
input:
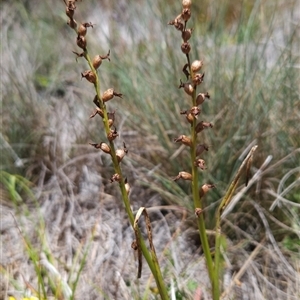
[183,175]
[186,14]
[186,47]
[81,42]
[186,34]
[198,78]
[82,29]
[112,134]
[98,111]
[109,94]
[186,3]
[188,88]
[196,65]
[201,148]
[184,140]
[203,125]
[200,163]
[205,188]
[89,76]
[120,153]
[201,97]
[103,146]
[97,61]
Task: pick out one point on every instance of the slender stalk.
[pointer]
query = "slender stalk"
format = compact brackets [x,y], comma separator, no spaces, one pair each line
[150,258]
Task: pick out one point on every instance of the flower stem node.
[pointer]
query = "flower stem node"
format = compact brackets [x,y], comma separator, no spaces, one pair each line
[81,42]
[200,163]
[184,140]
[205,188]
[115,177]
[196,65]
[201,97]
[183,175]
[186,47]
[188,88]
[201,148]
[89,75]
[198,212]
[109,94]
[103,146]
[120,153]
[97,61]
[82,29]
[72,23]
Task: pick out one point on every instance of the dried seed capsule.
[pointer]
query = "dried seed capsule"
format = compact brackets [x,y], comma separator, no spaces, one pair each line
[188,88]
[201,148]
[196,65]
[186,3]
[201,97]
[89,76]
[111,118]
[109,94]
[83,28]
[186,47]
[81,42]
[186,34]
[205,188]
[200,163]
[120,153]
[203,125]
[186,14]
[112,134]
[183,175]
[184,140]
[103,146]
[198,78]
[97,61]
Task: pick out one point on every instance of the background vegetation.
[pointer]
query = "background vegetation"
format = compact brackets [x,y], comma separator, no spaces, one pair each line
[58,188]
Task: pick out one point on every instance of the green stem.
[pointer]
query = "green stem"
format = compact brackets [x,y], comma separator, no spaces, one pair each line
[150,258]
[213,276]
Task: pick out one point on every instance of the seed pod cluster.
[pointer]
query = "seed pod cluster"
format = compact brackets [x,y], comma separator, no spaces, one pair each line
[91,75]
[194,78]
